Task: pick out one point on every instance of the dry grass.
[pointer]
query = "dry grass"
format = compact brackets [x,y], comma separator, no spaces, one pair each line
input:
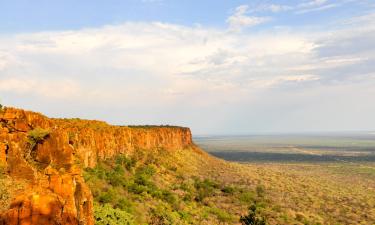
[310,193]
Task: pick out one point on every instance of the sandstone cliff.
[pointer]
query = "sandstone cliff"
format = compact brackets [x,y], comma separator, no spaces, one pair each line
[56,192]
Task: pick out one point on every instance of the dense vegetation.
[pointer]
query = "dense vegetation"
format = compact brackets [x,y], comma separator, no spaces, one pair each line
[146,190]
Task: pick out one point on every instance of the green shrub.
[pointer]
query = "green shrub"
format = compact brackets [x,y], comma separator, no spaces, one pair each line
[37,136]
[185,216]
[137,189]
[143,176]
[221,215]
[109,196]
[148,170]
[228,190]
[247,197]
[125,162]
[188,197]
[169,197]
[162,216]
[205,188]
[116,176]
[125,204]
[107,215]
[253,217]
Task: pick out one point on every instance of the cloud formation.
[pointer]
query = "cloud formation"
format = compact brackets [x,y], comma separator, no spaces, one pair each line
[240,19]
[213,80]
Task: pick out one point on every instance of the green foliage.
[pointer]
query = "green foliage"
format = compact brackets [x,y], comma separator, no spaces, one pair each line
[37,136]
[125,204]
[247,197]
[221,215]
[143,175]
[205,188]
[185,216]
[116,176]
[161,216]
[125,162]
[109,196]
[253,217]
[107,215]
[228,190]
[133,188]
[168,197]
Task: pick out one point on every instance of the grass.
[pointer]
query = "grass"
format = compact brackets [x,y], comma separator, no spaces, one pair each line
[156,186]
[158,193]
[36,136]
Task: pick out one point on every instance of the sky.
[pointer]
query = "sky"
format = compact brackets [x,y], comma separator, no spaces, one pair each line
[218,67]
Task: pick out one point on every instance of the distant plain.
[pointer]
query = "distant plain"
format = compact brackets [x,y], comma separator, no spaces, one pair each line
[313,178]
[344,147]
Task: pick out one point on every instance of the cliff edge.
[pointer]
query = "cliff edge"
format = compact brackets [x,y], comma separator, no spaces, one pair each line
[51,165]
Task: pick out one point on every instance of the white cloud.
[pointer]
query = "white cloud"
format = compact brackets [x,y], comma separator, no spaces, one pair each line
[275,8]
[61,88]
[167,73]
[240,20]
[312,3]
[314,9]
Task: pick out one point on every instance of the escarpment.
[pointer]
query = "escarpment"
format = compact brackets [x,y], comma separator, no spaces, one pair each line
[49,155]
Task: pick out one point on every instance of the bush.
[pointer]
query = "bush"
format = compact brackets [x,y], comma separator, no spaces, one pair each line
[228,190]
[125,204]
[253,218]
[125,162]
[168,197]
[116,177]
[109,196]
[205,188]
[143,176]
[161,216]
[221,215]
[185,216]
[37,136]
[247,197]
[107,215]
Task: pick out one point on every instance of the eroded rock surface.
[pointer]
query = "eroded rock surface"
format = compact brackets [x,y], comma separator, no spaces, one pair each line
[56,192]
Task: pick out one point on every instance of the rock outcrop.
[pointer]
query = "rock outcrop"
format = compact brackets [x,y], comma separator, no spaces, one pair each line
[56,191]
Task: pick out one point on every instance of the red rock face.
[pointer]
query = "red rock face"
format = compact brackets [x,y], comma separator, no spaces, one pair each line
[56,192]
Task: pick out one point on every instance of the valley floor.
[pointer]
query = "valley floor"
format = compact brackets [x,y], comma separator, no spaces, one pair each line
[334,193]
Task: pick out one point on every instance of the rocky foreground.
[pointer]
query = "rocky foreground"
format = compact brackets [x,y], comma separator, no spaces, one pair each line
[49,155]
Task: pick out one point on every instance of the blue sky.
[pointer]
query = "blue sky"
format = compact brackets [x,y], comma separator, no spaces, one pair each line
[219,67]
[40,15]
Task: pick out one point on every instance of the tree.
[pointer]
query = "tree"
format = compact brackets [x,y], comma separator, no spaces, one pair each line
[252,218]
[107,215]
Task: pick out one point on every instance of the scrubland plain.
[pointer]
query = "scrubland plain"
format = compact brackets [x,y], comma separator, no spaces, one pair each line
[313,179]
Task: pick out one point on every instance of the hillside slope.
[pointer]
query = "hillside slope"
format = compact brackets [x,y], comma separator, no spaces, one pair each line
[43,161]
[50,166]
[73,171]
